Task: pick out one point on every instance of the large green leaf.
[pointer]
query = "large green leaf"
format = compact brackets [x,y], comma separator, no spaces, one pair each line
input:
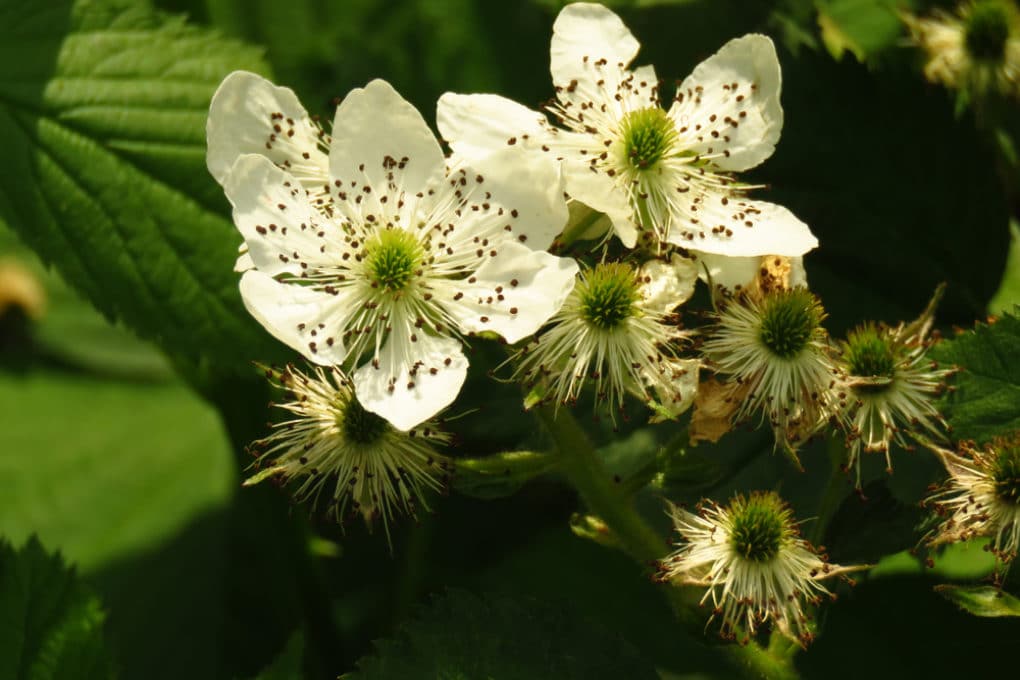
[464,637]
[986,402]
[132,484]
[102,111]
[51,626]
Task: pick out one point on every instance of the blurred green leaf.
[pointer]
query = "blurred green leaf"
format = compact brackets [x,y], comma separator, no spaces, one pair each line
[103,116]
[463,637]
[986,601]
[862,27]
[984,403]
[73,334]
[52,625]
[1008,294]
[130,479]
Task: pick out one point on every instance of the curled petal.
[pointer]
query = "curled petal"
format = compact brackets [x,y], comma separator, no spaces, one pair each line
[248,114]
[735,117]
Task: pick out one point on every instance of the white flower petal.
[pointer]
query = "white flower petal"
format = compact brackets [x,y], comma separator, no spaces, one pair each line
[584,33]
[674,383]
[273,214]
[600,192]
[244,261]
[520,199]
[742,228]
[378,135]
[736,117]
[297,316]
[669,283]
[242,116]
[476,125]
[730,273]
[513,293]
[412,381]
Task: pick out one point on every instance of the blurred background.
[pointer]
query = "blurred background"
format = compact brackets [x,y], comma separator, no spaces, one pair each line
[110,456]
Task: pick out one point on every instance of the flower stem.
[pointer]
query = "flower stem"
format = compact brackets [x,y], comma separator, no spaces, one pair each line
[611,503]
[589,476]
[834,492]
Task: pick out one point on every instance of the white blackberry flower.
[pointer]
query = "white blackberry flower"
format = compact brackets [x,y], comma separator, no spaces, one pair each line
[387,266]
[664,174]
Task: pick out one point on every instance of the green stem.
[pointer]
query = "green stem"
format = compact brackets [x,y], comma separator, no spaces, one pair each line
[589,476]
[611,503]
[835,490]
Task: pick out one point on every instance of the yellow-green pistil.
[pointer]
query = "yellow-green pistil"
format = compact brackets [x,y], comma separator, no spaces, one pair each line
[760,526]
[870,354]
[359,425]
[987,31]
[609,294]
[392,257]
[647,135]
[789,320]
[1006,469]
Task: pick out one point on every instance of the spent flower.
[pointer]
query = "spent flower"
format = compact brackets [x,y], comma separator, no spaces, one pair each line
[770,345]
[376,254]
[664,174]
[751,558]
[888,387]
[976,51]
[333,453]
[981,496]
[617,330]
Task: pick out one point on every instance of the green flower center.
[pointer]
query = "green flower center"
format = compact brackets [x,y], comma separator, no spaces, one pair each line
[987,31]
[609,295]
[789,319]
[760,526]
[647,136]
[361,426]
[392,257]
[1006,469]
[869,353]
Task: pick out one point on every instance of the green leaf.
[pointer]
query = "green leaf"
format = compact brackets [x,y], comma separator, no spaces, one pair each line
[1008,294]
[984,403]
[132,485]
[464,637]
[286,666]
[52,626]
[981,600]
[102,110]
[862,27]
